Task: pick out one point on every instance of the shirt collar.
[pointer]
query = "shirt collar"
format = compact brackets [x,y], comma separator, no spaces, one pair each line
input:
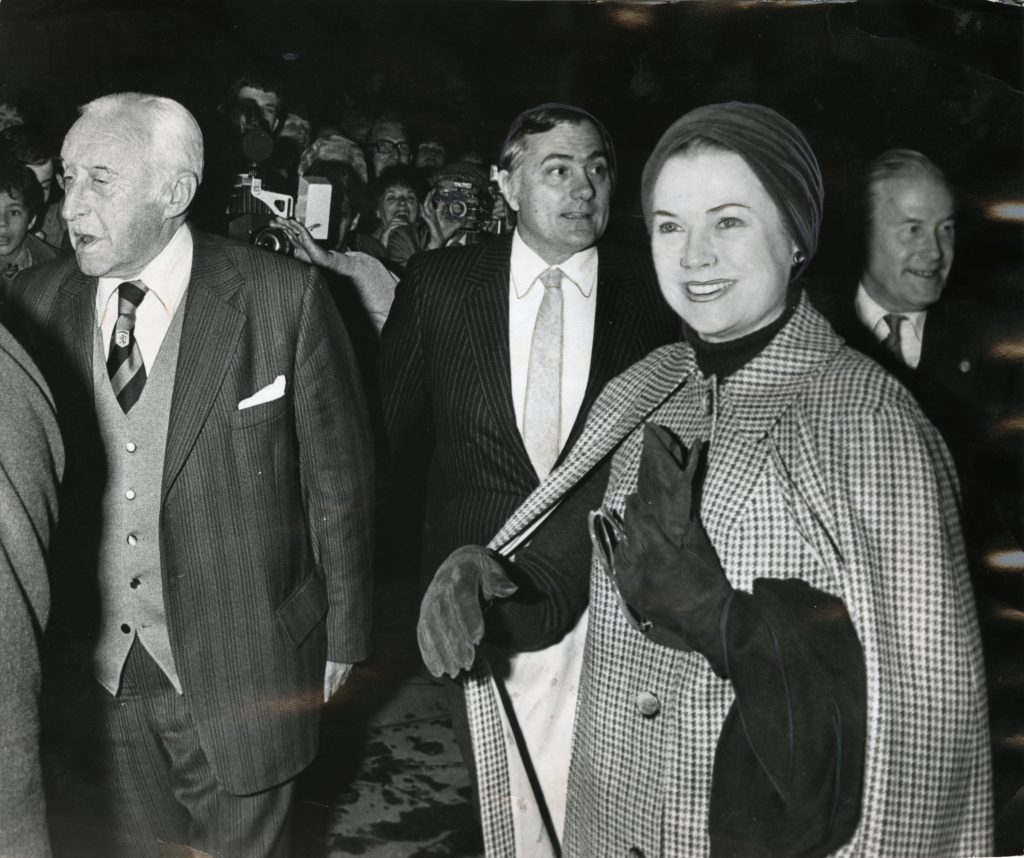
[871,313]
[166,275]
[580,269]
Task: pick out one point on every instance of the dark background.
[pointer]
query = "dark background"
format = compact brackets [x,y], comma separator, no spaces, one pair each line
[941,76]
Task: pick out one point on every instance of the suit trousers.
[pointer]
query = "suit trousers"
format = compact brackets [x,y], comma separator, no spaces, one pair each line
[164,796]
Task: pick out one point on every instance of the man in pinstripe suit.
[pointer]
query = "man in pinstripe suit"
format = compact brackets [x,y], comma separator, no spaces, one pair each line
[458,355]
[217,506]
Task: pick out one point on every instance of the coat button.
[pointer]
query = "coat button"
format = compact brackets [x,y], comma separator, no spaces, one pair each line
[125,628]
[131,539]
[965,366]
[648,704]
[635,852]
[130,494]
[134,583]
[131,447]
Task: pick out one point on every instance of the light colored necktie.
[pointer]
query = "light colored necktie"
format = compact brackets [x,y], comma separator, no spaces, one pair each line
[892,340]
[542,411]
[124,362]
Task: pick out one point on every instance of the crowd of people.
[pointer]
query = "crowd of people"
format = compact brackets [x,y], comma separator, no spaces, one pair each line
[690,526]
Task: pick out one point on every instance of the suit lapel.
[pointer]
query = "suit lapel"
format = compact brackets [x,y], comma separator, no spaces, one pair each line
[487,330]
[638,393]
[616,329]
[209,336]
[77,316]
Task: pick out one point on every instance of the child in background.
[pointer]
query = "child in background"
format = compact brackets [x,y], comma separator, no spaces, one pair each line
[21,204]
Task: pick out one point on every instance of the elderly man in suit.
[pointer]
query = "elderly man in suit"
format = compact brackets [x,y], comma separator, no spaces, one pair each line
[31,463]
[898,313]
[218,495]
[494,353]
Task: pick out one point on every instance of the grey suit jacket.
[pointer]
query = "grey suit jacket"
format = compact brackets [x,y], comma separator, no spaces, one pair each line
[31,462]
[265,523]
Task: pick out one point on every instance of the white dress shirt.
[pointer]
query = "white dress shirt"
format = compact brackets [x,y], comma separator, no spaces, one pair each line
[872,315]
[166,278]
[579,294]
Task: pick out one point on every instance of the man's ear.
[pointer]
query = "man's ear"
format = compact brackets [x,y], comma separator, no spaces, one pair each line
[179,193]
[508,184]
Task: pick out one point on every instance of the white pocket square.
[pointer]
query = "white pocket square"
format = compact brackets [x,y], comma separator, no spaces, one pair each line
[272,391]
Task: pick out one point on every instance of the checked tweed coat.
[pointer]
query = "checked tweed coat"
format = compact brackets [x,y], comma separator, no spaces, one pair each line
[821,467]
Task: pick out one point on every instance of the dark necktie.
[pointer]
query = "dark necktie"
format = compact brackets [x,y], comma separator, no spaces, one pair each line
[892,340]
[542,411]
[124,363]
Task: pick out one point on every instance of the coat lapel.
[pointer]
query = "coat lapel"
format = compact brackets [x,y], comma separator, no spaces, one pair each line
[622,408]
[753,403]
[486,327]
[209,336]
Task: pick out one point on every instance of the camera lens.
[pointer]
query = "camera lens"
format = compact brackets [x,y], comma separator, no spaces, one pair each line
[273,239]
[457,209]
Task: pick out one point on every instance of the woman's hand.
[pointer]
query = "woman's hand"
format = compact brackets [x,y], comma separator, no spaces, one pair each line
[306,248]
[665,565]
[451,623]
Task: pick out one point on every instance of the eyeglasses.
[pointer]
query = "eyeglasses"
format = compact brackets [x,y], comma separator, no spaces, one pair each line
[386,147]
[606,533]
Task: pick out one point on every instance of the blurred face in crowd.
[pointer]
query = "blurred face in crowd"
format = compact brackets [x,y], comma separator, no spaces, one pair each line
[910,243]
[45,173]
[389,146]
[297,128]
[720,247]
[14,223]
[269,102]
[430,154]
[561,188]
[10,115]
[121,208]
[398,204]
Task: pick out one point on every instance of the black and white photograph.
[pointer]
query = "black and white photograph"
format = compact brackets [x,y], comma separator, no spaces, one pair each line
[511,428]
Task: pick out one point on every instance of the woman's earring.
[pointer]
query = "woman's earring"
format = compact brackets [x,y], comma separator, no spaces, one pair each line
[798,257]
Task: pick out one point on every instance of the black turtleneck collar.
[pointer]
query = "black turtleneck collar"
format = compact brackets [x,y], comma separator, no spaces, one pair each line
[723,359]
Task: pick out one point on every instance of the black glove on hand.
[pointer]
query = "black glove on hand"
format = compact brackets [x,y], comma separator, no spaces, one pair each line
[666,567]
[451,615]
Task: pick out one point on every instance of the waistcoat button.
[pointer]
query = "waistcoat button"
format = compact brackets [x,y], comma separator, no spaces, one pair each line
[134,583]
[131,447]
[125,628]
[131,539]
[130,494]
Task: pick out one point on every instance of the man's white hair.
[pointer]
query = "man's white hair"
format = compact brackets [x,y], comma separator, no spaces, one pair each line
[175,141]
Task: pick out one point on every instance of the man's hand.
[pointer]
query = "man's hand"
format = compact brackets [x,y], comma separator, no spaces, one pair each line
[665,566]
[442,228]
[451,615]
[335,675]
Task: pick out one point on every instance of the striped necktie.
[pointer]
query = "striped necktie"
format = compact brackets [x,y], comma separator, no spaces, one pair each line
[542,411]
[892,341]
[124,363]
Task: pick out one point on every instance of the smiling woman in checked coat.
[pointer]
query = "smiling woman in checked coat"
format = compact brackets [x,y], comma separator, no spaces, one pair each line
[783,654]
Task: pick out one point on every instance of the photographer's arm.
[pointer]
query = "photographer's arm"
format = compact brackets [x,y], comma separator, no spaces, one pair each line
[442,229]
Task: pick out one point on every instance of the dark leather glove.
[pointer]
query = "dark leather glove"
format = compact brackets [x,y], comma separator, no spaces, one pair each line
[666,567]
[452,612]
